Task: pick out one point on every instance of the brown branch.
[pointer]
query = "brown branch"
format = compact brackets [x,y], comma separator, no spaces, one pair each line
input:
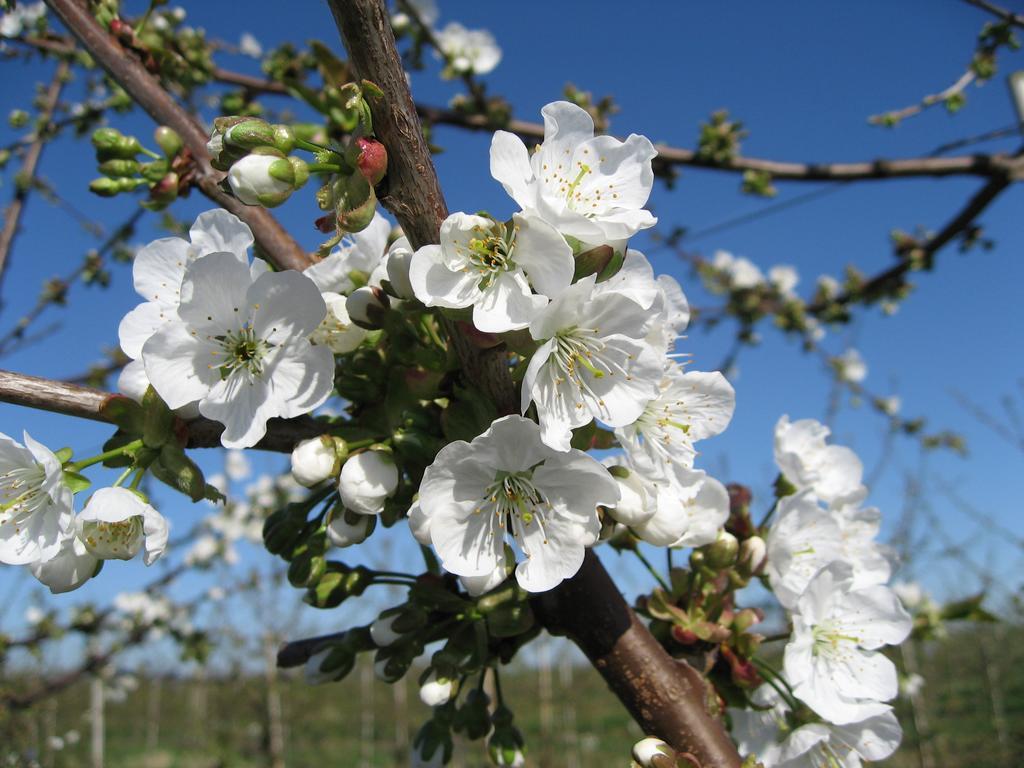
[1014,18]
[12,216]
[665,697]
[87,403]
[953,229]
[894,116]
[961,165]
[146,91]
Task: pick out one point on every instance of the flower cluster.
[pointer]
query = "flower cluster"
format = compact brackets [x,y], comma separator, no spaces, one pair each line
[39,527]
[599,331]
[830,574]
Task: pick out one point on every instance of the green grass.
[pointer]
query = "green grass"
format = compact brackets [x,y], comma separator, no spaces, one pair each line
[221,722]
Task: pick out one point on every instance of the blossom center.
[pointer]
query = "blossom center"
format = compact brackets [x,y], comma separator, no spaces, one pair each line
[514,504]
[830,638]
[21,492]
[240,350]
[490,251]
[120,540]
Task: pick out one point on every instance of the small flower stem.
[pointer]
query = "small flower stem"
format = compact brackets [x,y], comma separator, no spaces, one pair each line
[431,330]
[150,153]
[395,574]
[123,477]
[768,516]
[396,582]
[323,167]
[137,480]
[145,17]
[647,563]
[309,146]
[497,686]
[776,681]
[668,560]
[77,466]
[430,560]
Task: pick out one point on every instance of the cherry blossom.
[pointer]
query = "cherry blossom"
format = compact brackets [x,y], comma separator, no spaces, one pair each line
[492,266]
[593,363]
[592,188]
[35,502]
[239,346]
[832,659]
[507,480]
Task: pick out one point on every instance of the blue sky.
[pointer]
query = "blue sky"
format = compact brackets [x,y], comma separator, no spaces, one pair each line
[802,77]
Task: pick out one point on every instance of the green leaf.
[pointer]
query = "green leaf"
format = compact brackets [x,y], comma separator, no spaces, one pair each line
[124,412]
[157,420]
[75,481]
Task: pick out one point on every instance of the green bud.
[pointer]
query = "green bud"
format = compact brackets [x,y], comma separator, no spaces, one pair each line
[104,187]
[119,168]
[722,553]
[176,469]
[168,140]
[18,118]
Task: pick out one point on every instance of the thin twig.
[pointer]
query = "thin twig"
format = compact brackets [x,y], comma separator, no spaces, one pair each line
[27,173]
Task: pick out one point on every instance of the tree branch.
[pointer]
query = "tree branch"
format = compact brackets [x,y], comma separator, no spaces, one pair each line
[1014,18]
[23,182]
[962,165]
[660,693]
[122,66]
[87,403]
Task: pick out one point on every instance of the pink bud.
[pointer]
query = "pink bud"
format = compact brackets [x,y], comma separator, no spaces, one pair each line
[372,161]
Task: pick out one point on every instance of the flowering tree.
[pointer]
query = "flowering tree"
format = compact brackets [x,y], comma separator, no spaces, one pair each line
[510,390]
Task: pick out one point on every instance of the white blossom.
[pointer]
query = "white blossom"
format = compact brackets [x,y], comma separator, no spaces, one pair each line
[832,660]
[768,734]
[851,366]
[249,46]
[468,50]
[239,346]
[366,481]
[742,273]
[159,268]
[507,481]
[346,528]
[435,691]
[645,750]
[690,406]
[314,460]
[593,188]
[336,331]
[70,568]
[784,277]
[236,465]
[593,363]
[833,472]
[116,524]
[253,184]
[358,260]
[22,18]
[492,266]
[686,519]
[35,502]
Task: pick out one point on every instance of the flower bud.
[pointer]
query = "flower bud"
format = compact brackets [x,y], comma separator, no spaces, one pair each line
[266,177]
[117,523]
[119,167]
[317,459]
[371,158]
[653,753]
[397,262]
[168,140]
[752,555]
[367,307]
[722,553]
[345,527]
[111,143]
[329,665]
[381,630]
[366,480]
[634,506]
[356,203]
[505,743]
[435,691]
